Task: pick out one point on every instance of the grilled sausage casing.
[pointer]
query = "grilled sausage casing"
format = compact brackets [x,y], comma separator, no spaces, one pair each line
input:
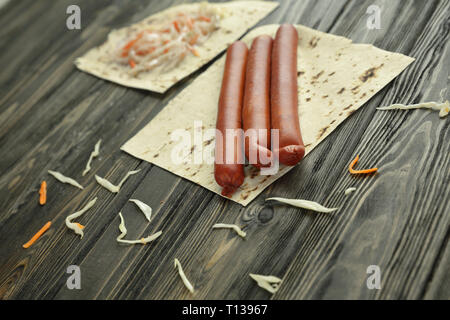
[256,111]
[284,98]
[230,174]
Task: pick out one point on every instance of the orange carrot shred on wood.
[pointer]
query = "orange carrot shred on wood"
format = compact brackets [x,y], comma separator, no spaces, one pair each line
[43,193]
[353,171]
[132,63]
[37,235]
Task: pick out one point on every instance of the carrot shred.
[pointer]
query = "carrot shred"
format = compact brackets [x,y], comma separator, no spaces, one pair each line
[195,52]
[79,225]
[353,171]
[166,50]
[177,27]
[43,193]
[194,40]
[203,18]
[37,235]
[190,23]
[132,63]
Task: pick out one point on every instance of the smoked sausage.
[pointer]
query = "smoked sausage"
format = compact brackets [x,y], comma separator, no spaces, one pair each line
[229,162]
[284,98]
[256,110]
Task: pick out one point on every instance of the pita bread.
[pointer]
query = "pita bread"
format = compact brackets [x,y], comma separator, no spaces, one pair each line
[336,77]
[236,18]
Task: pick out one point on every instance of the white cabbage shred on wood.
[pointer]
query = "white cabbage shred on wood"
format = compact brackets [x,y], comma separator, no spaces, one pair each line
[442,107]
[62,178]
[94,154]
[304,204]
[74,226]
[111,187]
[269,283]
[236,228]
[349,190]
[123,233]
[146,209]
[183,276]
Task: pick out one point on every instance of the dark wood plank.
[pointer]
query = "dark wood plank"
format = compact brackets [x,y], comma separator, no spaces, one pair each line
[51,115]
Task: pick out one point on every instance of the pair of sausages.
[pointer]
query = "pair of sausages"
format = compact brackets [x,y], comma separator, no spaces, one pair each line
[260,85]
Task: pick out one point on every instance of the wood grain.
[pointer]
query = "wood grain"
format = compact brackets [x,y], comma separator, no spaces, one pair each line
[51,115]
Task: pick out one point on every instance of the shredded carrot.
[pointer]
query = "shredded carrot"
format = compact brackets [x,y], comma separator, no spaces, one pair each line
[203,18]
[145,52]
[190,23]
[79,225]
[43,193]
[166,50]
[194,40]
[132,63]
[177,27]
[195,52]
[37,235]
[353,171]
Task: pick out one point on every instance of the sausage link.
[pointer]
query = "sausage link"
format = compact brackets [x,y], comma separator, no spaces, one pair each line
[256,111]
[284,98]
[230,174]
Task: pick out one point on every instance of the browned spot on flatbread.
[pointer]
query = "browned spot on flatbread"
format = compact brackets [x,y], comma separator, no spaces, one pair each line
[156,155]
[300,73]
[317,76]
[325,96]
[254,172]
[313,42]
[244,196]
[363,95]
[350,112]
[332,122]
[331,74]
[355,90]
[322,132]
[370,73]
[208,142]
[308,99]
[348,107]
[342,90]
[306,146]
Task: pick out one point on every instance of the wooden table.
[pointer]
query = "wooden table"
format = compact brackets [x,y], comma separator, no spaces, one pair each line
[51,115]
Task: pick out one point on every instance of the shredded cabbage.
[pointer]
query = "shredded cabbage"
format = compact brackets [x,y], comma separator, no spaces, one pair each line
[183,276]
[442,107]
[269,283]
[62,178]
[146,210]
[113,188]
[123,233]
[94,154]
[76,226]
[305,204]
[165,43]
[230,226]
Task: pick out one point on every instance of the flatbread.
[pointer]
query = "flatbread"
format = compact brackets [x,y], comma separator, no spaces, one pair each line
[336,77]
[237,18]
